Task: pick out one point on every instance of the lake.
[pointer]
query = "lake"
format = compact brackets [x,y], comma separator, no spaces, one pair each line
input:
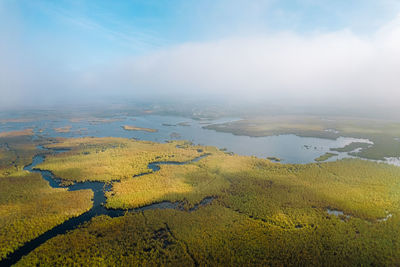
[288,148]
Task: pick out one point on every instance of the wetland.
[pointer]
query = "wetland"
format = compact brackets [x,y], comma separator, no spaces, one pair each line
[141,197]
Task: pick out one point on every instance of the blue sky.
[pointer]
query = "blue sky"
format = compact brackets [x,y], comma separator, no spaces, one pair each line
[87,32]
[226,47]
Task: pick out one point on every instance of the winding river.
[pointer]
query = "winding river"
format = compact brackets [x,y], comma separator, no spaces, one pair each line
[98,208]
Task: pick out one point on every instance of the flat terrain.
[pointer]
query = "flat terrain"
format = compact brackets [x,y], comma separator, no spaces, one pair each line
[384,134]
[261,213]
[16,151]
[65,129]
[28,205]
[351,147]
[108,159]
[325,157]
[135,128]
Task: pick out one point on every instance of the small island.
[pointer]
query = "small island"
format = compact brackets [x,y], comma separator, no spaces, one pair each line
[275,159]
[65,129]
[25,132]
[135,128]
[186,124]
[325,157]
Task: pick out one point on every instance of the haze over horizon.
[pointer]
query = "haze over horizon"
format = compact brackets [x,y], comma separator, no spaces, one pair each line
[304,52]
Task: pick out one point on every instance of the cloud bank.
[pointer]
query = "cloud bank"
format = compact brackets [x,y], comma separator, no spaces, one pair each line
[332,68]
[336,68]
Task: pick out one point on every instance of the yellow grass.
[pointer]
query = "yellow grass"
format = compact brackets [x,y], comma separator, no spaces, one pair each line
[263,213]
[29,207]
[16,133]
[107,159]
[135,128]
[65,129]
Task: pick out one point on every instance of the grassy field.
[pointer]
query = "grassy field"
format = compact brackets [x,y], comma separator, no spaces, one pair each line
[189,183]
[384,134]
[358,187]
[217,235]
[325,157]
[65,129]
[26,132]
[275,159]
[107,159]
[28,205]
[263,213]
[16,151]
[135,128]
[351,147]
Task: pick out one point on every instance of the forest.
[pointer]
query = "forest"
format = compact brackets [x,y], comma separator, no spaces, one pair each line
[28,205]
[108,159]
[261,213]
[199,133]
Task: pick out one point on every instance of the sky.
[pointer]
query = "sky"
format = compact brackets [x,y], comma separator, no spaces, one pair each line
[342,52]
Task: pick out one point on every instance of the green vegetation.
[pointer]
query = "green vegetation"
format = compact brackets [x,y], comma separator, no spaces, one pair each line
[274,159]
[28,205]
[131,240]
[16,120]
[26,132]
[107,159]
[103,120]
[216,235]
[325,157]
[190,183]
[135,128]
[347,185]
[351,147]
[16,151]
[183,124]
[263,213]
[275,125]
[65,129]
[384,146]
[383,134]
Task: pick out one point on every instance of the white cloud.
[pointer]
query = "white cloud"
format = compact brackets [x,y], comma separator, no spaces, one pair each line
[334,68]
[337,67]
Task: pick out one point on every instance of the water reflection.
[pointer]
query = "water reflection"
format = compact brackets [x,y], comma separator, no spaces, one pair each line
[289,148]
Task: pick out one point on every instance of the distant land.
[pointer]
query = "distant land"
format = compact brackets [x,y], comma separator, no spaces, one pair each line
[135,128]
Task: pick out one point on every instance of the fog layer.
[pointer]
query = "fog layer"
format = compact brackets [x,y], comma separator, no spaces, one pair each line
[337,68]
[333,68]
